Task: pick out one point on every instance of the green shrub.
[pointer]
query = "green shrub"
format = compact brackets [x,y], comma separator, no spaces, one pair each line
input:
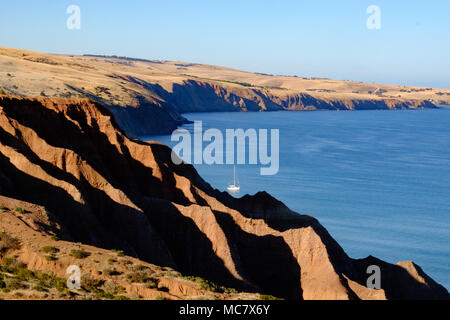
[120,253]
[79,254]
[40,288]
[50,249]
[205,284]
[104,295]
[140,277]
[140,267]
[15,284]
[151,284]
[20,210]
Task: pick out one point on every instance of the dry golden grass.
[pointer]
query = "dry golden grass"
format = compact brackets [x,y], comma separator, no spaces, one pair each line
[116,81]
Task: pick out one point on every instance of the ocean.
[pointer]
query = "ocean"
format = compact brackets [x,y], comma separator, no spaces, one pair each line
[379,181]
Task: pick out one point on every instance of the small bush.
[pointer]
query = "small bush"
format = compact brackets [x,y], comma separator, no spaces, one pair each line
[125,261]
[79,254]
[113,288]
[140,267]
[112,273]
[15,284]
[140,277]
[40,288]
[8,243]
[151,284]
[120,253]
[50,249]
[19,210]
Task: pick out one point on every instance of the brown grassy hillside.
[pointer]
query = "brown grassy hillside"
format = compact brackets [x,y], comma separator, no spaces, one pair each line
[147,96]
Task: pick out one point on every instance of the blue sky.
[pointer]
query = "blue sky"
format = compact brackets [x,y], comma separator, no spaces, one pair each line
[307,38]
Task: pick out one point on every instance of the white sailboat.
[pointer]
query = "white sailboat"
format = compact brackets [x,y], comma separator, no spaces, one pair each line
[234,188]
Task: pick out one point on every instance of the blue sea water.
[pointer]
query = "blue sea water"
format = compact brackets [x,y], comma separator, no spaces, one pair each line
[379,181]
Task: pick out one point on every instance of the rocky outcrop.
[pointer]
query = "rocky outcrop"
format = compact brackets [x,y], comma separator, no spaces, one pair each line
[105,190]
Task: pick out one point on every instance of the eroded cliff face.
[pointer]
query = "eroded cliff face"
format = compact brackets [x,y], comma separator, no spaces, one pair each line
[147,97]
[108,191]
[203,96]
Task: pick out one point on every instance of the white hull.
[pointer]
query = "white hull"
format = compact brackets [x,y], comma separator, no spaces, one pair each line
[234,189]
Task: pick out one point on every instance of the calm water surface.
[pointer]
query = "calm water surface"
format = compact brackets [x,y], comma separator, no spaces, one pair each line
[379,181]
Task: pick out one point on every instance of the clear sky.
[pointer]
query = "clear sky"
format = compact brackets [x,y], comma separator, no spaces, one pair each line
[306,38]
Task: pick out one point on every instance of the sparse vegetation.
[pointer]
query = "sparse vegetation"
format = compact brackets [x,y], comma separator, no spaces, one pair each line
[142,276]
[140,267]
[50,249]
[79,253]
[102,90]
[120,253]
[8,243]
[112,272]
[125,261]
[113,288]
[15,275]
[210,286]
[51,258]
[103,289]
[152,284]
[19,210]
[268,297]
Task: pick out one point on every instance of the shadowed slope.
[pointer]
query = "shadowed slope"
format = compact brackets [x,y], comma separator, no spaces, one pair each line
[69,156]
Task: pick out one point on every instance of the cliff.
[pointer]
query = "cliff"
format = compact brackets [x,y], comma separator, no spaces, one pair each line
[105,190]
[147,97]
[203,96]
